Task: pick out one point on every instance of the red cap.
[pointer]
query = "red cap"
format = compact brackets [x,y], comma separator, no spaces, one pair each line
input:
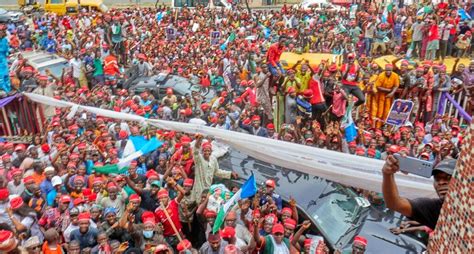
[290,223]
[352,144]
[151,173]
[111,185]
[270,126]
[163,193]
[65,199]
[227,232]
[307,242]
[360,240]
[84,216]
[169,90]
[16,202]
[184,245]
[291,89]
[394,149]
[371,151]
[6,157]
[78,201]
[278,228]
[206,145]
[28,179]
[204,106]
[210,214]
[147,214]
[188,182]
[92,197]
[16,171]
[45,148]
[255,118]
[287,210]
[20,147]
[134,197]
[270,183]
[4,193]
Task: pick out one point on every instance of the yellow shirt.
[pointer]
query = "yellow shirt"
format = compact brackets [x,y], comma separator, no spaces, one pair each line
[387,82]
[304,79]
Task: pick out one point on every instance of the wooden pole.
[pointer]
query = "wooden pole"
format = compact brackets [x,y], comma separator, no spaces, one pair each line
[171,222]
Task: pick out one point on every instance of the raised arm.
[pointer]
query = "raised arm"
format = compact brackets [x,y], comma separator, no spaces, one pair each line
[390,189]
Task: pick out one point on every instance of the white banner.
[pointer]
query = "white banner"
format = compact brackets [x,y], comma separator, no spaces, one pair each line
[347,169]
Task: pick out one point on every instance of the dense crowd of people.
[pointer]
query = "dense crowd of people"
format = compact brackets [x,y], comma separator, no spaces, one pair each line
[52,199]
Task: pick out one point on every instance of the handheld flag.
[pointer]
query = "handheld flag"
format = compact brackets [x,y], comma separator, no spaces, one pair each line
[248,189]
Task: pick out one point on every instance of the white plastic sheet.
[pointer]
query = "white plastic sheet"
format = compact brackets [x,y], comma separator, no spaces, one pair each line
[339,167]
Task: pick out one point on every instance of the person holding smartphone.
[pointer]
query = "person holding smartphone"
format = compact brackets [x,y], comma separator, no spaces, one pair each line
[424,210]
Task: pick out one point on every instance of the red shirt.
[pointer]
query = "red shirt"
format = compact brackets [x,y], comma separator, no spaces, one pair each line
[352,75]
[174,215]
[111,65]
[274,53]
[318,97]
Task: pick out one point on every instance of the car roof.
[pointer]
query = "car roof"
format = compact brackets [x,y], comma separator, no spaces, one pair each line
[307,190]
[41,59]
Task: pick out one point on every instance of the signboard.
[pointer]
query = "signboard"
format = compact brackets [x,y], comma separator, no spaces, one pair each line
[170,33]
[399,112]
[215,37]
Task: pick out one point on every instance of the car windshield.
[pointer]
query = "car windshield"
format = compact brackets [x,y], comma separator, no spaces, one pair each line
[3,11]
[335,213]
[56,69]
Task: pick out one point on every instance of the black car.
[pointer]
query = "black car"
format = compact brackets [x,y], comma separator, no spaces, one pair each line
[158,84]
[337,212]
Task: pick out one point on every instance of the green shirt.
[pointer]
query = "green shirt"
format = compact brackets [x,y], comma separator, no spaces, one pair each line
[98,67]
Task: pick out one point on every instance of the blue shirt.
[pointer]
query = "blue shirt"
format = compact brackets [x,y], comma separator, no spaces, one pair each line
[276,198]
[46,186]
[50,197]
[87,240]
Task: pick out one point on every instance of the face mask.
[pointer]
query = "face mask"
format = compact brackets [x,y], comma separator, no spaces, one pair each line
[148,233]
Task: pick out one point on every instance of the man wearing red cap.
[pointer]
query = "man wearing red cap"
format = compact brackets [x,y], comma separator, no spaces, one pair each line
[386,85]
[214,245]
[275,242]
[46,89]
[4,193]
[255,128]
[16,185]
[171,215]
[187,208]
[350,73]
[116,198]
[206,167]
[359,245]
[85,234]
[243,238]
[270,197]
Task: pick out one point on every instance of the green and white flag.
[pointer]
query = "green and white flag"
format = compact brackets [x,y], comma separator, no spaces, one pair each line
[122,166]
[249,188]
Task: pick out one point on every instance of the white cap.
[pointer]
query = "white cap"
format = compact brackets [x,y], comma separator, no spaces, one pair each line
[56,180]
[47,169]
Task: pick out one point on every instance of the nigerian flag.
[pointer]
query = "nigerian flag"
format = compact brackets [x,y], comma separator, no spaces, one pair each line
[230,39]
[424,10]
[248,189]
[122,166]
[348,124]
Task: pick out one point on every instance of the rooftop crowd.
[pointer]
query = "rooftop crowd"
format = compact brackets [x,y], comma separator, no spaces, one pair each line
[52,200]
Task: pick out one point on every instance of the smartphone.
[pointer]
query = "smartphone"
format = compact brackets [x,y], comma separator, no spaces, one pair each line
[415,166]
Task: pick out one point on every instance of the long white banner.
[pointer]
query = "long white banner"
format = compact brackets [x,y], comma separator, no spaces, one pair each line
[347,169]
